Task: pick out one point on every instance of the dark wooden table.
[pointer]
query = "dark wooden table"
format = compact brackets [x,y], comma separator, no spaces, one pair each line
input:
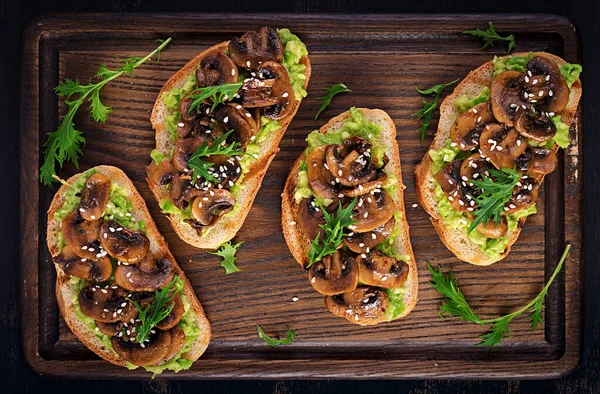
[14,375]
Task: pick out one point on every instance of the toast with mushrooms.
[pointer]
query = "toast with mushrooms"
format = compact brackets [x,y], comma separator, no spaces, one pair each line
[118,286]
[212,152]
[503,124]
[344,222]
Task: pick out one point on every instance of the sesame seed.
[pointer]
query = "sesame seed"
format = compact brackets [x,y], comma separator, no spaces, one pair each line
[535,81]
[453,144]
[474,110]
[285,94]
[226,119]
[232,71]
[356,317]
[541,93]
[248,63]
[292,223]
[550,93]
[373,235]
[479,119]
[313,280]
[294,298]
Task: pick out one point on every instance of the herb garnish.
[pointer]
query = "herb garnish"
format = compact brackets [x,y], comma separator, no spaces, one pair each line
[218,93]
[200,168]
[228,251]
[334,232]
[496,191]
[490,35]
[152,314]
[426,113]
[289,337]
[332,91]
[455,304]
[65,143]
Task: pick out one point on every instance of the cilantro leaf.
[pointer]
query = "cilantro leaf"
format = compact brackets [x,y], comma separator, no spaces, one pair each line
[228,251]
[289,337]
[218,93]
[490,36]
[332,91]
[426,113]
[155,312]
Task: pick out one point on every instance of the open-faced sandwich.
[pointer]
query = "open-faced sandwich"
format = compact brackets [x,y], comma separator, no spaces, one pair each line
[343,218]
[118,286]
[218,124]
[498,136]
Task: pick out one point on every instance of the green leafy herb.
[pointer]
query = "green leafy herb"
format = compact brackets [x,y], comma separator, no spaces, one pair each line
[228,251]
[152,314]
[496,191]
[490,36]
[332,91]
[455,304]
[426,113]
[334,232]
[218,93]
[65,143]
[201,168]
[289,337]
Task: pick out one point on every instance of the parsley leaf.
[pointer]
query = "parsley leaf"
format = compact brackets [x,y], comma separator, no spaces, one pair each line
[65,143]
[289,337]
[218,93]
[227,251]
[201,168]
[490,35]
[426,113]
[332,91]
[152,314]
[455,304]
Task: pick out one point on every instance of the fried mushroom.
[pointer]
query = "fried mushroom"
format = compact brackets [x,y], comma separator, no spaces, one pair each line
[467,127]
[364,302]
[94,197]
[501,145]
[98,270]
[332,276]
[81,235]
[209,205]
[123,244]
[256,47]
[151,274]
[377,269]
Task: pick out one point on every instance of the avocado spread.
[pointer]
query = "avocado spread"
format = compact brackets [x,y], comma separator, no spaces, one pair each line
[463,103]
[570,72]
[511,63]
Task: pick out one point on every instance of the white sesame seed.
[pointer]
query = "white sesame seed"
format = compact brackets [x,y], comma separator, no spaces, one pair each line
[248,63]
[294,298]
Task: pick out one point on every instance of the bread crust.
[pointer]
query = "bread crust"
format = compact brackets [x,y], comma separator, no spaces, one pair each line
[65,291]
[455,239]
[299,243]
[226,227]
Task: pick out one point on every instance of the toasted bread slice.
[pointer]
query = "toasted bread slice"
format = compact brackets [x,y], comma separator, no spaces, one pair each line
[299,244]
[65,291]
[227,226]
[455,239]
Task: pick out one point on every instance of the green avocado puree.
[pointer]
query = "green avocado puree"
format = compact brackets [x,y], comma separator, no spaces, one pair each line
[463,103]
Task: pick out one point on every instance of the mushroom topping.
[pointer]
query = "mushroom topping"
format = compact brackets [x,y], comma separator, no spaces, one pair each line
[364,302]
[94,197]
[364,242]
[332,276]
[110,329]
[174,317]
[149,353]
[227,170]
[98,270]
[162,173]
[534,125]
[371,211]
[177,343]
[377,269]
[184,149]
[81,235]
[243,126]
[501,145]
[543,161]
[122,243]
[211,204]
[349,163]
[507,95]
[467,128]
[450,182]
[256,47]
[367,187]
[474,167]
[524,195]
[319,176]
[150,275]
[216,68]
[310,218]
[184,110]
[106,304]
[179,190]
[490,230]
[545,85]
[271,89]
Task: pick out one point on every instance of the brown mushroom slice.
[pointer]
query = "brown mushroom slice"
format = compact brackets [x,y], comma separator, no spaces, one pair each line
[524,195]
[377,269]
[501,145]
[320,178]
[81,235]
[98,270]
[226,170]
[184,149]
[232,118]
[146,354]
[175,316]
[545,85]
[151,276]
[507,95]
[467,127]
[122,243]
[94,196]
[210,205]
[364,242]
[269,88]
[310,218]
[350,163]
[474,167]
[332,276]
[490,229]
[163,173]
[177,343]
[107,304]
[364,302]
[216,68]
[371,211]
[110,329]
[256,47]
[543,161]
[366,187]
[449,180]
[534,125]
[185,105]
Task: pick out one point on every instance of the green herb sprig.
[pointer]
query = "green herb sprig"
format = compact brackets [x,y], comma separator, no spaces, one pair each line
[152,314]
[490,36]
[425,114]
[455,304]
[289,337]
[332,91]
[218,93]
[200,168]
[227,251]
[66,142]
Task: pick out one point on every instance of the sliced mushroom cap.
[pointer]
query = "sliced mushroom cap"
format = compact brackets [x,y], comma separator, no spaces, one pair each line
[523,196]
[467,127]
[184,149]
[185,105]
[175,316]
[122,243]
[366,187]
[227,170]
[534,125]
[507,95]
[177,343]
[212,204]
[490,229]
[474,167]
[543,161]
[94,197]
[271,89]
[162,173]
[364,242]
[364,302]
[256,47]
[110,329]
[545,85]
[332,276]
[106,304]
[371,211]
[153,275]
[180,189]
[501,145]
[449,180]
[81,235]
[320,178]
[151,353]
[98,270]
[310,218]
[350,163]
[377,269]
[243,126]
[216,68]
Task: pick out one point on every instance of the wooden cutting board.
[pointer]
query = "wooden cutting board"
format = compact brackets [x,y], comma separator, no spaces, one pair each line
[381,58]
